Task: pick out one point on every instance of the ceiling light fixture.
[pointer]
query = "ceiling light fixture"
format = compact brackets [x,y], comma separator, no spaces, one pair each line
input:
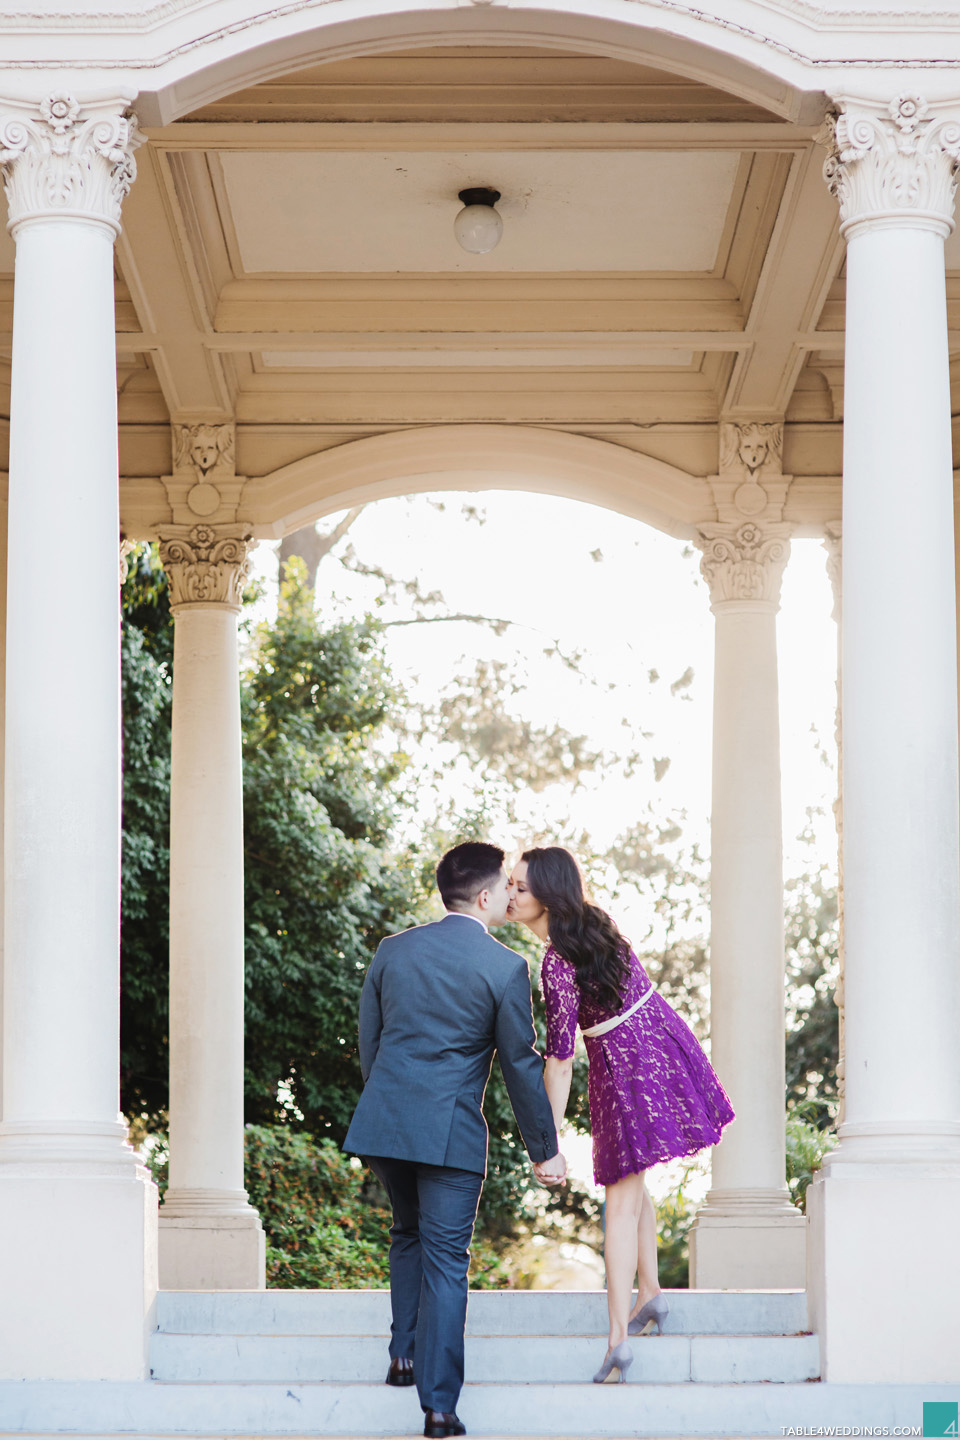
[478,225]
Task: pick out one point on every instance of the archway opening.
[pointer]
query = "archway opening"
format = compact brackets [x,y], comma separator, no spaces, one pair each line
[594,611]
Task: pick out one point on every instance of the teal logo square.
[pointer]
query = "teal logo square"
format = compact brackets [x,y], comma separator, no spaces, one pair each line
[941,1417]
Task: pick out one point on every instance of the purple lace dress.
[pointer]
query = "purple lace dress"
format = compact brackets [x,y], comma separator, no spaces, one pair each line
[653,1093]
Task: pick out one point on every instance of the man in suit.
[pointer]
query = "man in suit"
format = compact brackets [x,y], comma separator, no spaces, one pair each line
[436,1002]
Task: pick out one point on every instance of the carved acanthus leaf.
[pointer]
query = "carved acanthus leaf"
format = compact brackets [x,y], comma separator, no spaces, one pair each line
[65,159]
[207,564]
[893,161]
[744,562]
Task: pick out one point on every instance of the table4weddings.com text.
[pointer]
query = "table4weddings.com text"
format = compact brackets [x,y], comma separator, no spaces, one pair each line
[940,1418]
[806,1431]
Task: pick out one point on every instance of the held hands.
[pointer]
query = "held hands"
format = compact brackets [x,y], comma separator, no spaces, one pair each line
[551,1172]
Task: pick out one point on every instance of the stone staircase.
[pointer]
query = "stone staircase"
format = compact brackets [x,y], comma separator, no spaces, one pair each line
[312,1363]
[514,1337]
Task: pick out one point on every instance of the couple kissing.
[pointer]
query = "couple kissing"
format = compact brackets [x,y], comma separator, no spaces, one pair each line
[437,1001]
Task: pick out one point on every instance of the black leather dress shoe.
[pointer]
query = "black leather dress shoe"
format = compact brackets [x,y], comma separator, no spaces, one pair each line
[442,1422]
[400,1372]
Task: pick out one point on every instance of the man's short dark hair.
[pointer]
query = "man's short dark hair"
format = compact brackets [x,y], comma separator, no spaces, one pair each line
[466,870]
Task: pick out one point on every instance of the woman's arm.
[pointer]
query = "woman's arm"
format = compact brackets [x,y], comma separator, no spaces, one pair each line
[557,1075]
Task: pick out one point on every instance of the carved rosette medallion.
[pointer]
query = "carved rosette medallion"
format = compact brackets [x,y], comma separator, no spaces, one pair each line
[208,564]
[744,562]
[894,162]
[69,160]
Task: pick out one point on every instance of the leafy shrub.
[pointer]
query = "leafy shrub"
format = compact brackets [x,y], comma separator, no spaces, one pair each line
[326,1226]
[675,1216]
[327,1221]
[813,1025]
[806,1146]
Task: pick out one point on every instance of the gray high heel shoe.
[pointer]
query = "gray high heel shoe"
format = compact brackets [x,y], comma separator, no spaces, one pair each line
[653,1313]
[620,1358]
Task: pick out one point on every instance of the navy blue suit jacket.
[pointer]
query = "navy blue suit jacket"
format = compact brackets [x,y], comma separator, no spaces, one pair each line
[436,1002]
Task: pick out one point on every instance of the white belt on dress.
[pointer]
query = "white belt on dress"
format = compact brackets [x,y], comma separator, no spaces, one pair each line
[606,1025]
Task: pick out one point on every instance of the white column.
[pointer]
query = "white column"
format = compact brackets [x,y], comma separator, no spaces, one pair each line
[78,1269]
[748,1234]
[891,1190]
[833,544]
[210,1236]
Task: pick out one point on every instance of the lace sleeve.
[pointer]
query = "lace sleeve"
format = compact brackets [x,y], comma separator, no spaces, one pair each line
[562,1001]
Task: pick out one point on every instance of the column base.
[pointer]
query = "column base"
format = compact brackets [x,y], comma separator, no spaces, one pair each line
[884,1271]
[78,1271]
[748,1240]
[210,1246]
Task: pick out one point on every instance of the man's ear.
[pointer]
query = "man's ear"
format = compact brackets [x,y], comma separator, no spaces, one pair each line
[483,899]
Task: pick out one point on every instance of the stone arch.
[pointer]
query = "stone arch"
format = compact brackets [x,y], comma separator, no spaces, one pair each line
[478,457]
[201,61]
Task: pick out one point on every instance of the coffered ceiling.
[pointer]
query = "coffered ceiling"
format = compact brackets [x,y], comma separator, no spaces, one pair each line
[305,212]
[670,255]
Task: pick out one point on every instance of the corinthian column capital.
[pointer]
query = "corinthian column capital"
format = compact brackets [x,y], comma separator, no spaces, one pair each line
[893,162]
[206,564]
[744,563]
[62,159]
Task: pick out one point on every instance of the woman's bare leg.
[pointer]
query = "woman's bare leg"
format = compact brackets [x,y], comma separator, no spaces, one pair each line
[648,1283]
[624,1211]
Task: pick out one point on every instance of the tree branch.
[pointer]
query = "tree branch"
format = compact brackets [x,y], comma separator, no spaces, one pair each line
[490,620]
[309,545]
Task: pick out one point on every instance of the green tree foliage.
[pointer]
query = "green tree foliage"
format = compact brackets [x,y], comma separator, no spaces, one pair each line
[812,952]
[146,654]
[322,884]
[807,1143]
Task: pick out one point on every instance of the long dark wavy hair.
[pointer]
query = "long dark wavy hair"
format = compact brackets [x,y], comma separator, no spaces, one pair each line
[581,932]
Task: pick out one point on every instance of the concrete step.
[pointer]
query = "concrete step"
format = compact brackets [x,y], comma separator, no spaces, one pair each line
[620,1412]
[544,1359]
[491,1312]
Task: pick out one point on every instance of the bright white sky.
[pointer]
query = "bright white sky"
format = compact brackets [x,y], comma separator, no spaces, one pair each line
[640,606]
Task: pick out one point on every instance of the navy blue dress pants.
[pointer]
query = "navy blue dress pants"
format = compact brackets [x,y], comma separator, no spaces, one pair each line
[434,1210]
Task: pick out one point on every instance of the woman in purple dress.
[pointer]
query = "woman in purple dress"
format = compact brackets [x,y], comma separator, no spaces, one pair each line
[653,1094]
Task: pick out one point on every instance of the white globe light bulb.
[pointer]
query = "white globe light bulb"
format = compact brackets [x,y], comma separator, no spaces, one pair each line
[478,227]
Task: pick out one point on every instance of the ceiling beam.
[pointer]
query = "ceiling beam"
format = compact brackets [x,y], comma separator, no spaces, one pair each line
[544,349]
[803,258]
[133,342]
[481,135]
[152,255]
